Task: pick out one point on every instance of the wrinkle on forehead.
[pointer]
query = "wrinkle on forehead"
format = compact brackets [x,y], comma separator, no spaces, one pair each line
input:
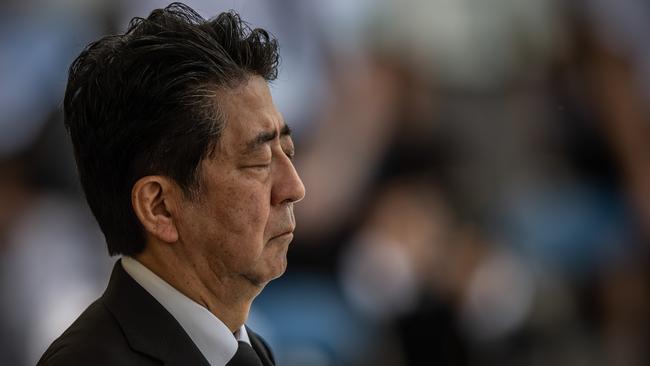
[246,111]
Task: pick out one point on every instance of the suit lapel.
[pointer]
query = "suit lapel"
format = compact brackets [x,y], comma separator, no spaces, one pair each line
[148,327]
[261,348]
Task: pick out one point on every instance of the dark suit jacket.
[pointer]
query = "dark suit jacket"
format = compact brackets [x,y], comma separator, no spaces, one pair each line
[127,326]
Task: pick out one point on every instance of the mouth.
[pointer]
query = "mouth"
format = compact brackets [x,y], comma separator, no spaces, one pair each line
[287,233]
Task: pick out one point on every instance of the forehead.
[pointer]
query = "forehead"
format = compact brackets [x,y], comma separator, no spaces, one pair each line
[249,109]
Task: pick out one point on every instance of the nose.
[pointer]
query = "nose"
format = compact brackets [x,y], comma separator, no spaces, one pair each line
[287,185]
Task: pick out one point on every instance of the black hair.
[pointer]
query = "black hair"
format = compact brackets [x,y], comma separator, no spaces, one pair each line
[145,103]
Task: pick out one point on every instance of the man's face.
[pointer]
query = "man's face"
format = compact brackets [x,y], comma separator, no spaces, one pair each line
[241,224]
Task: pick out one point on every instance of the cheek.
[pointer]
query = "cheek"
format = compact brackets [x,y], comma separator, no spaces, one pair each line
[244,211]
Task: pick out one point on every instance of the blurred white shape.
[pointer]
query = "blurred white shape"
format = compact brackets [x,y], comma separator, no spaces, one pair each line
[498,299]
[378,277]
[55,265]
[472,43]
[62,308]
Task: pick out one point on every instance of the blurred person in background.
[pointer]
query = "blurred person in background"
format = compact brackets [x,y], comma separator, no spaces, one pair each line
[492,99]
[186,165]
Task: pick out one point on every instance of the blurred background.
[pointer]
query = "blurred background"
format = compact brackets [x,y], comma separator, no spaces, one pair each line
[477,173]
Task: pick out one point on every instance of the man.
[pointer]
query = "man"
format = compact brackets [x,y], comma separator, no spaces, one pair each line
[186,164]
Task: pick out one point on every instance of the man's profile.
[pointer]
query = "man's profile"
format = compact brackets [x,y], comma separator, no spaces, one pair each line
[186,165]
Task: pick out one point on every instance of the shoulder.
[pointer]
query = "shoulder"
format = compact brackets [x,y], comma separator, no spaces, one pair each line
[95,338]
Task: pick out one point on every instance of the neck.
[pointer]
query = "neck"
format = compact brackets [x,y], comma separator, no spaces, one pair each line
[228,297]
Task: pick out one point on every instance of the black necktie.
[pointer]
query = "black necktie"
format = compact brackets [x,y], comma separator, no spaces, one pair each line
[245,356]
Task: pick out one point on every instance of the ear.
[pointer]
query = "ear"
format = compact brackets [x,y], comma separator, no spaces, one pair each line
[153,200]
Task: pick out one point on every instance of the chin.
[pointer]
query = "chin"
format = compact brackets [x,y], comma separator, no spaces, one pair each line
[272,271]
[280,271]
[277,269]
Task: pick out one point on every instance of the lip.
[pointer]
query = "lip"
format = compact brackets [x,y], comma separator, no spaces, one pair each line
[286,233]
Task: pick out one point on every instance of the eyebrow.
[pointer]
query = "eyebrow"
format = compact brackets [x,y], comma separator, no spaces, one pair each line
[266,136]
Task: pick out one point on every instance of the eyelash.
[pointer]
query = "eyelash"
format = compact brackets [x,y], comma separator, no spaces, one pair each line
[289,154]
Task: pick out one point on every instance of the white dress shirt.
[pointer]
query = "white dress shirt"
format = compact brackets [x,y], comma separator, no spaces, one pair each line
[210,335]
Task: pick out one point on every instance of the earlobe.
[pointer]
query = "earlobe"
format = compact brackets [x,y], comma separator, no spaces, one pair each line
[151,199]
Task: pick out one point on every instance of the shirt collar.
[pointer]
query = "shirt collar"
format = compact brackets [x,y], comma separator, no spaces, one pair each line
[211,336]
